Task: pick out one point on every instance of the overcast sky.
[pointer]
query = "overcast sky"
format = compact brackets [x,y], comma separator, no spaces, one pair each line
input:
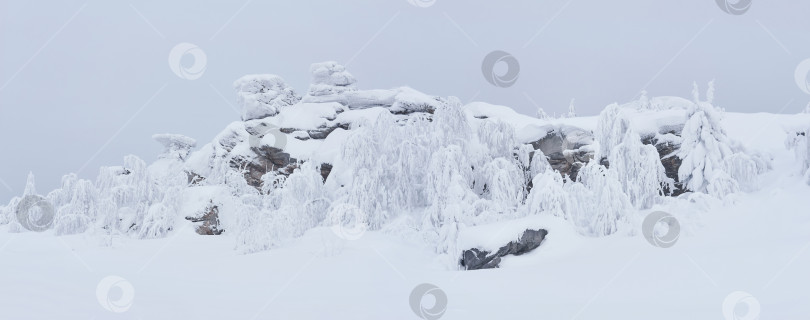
[85,83]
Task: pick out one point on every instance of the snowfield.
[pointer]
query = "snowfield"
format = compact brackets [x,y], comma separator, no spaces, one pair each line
[340,203]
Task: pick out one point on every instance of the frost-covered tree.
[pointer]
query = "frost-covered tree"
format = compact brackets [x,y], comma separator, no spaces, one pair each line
[611,128]
[448,186]
[256,229]
[504,183]
[368,194]
[11,210]
[30,185]
[541,114]
[639,170]
[78,215]
[548,196]
[498,137]
[8,213]
[539,163]
[452,124]
[799,141]
[703,148]
[599,207]
[572,112]
[305,198]
[711,162]
[62,196]
[360,149]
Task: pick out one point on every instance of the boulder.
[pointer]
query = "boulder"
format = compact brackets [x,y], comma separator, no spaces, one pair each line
[567,149]
[474,259]
[263,95]
[208,222]
[330,78]
[176,146]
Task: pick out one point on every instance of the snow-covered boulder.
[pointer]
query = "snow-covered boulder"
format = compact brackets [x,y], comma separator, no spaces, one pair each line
[330,78]
[176,146]
[332,83]
[263,95]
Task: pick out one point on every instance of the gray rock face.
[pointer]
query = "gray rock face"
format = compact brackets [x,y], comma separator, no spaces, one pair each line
[267,159]
[474,259]
[565,148]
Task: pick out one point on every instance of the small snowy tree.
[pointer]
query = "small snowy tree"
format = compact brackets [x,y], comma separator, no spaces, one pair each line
[611,128]
[541,114]
[599,207]
[703,149]
[572,112]
[799,141]
[548,196]
[539,163]
[304,198]
[639,170]
[498,137]
[451,122]
[78,215]
[504,183]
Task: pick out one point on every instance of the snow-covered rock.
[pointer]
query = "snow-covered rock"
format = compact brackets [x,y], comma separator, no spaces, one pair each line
[474,259]
[263,95]
[175,146]
[330,78]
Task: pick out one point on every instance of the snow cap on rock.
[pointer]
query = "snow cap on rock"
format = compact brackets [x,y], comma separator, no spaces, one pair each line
[263,95]
[176,145]
[330,78]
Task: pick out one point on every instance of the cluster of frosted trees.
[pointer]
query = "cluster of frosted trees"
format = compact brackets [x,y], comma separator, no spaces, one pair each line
[134,199]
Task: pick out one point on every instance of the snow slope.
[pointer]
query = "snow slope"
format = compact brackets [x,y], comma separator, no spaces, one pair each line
[757,244]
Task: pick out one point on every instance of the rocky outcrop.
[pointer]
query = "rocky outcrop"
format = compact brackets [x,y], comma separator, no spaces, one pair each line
[176,146]
[474,259]
[208,223]
[263,95]
[267,159]
[330,78]
[567,149]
